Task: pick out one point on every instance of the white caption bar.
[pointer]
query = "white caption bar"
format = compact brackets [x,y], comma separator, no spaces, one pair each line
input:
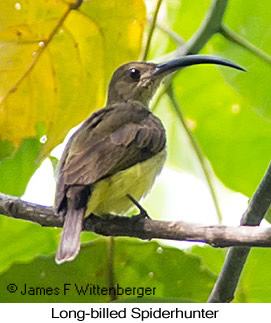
[121,312]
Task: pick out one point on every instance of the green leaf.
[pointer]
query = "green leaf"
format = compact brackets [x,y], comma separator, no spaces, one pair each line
[185,17]
[181,155]
[230,133]
[231,126]
[212,258]
[251,20]
[21,241]
[6,149]
[268,215]
[136,265]
[16,170]
[255,284]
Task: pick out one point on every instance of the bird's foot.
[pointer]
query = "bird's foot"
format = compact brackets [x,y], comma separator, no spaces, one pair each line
[142,214]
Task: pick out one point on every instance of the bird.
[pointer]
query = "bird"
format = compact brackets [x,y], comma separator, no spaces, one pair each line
[113,159]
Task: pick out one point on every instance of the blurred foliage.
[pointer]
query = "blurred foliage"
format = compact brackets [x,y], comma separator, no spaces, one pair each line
[45,90]
[16,171]
[254,286]
[21,241]
[222,107]
[136,264]
[220,118]
[253,24]
[54,60]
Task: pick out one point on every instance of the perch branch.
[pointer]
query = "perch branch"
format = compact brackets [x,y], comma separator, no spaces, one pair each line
[217,236]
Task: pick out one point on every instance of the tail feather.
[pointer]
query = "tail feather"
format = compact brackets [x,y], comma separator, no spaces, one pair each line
[70,239]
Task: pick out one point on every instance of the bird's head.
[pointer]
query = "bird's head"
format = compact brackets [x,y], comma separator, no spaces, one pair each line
[138,81]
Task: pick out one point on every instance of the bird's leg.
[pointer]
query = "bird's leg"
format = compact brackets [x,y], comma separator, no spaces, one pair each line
[143,213]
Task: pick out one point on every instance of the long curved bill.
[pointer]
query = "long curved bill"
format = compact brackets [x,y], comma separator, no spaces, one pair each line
[176,64]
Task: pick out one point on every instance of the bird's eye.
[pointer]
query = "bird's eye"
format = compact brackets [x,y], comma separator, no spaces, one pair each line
[135,74]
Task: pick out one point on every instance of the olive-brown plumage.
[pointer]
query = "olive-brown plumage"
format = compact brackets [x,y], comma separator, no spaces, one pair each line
[113,139]
[119,150]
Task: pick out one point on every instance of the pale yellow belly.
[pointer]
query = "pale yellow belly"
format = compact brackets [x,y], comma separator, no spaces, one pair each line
[109,195]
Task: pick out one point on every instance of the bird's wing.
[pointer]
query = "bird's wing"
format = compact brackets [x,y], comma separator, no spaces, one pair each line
[111,140]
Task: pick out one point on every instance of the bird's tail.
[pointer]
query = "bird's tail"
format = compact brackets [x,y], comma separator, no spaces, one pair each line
[70,239]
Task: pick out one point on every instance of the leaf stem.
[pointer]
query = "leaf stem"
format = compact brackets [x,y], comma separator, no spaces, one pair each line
[196,148]
[230,35]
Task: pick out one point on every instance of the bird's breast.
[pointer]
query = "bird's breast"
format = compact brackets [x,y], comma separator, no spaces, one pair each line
[109,196]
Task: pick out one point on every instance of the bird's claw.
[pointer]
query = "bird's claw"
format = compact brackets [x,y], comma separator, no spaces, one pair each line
[142,214]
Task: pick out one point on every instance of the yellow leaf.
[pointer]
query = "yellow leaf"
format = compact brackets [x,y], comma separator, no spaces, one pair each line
[55,62]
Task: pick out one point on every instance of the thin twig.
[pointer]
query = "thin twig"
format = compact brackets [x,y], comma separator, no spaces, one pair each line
[174,36]
[242,42]
[196,147]
[229,276]
[152,26]
[111,283]
[158,97]
[210,26]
